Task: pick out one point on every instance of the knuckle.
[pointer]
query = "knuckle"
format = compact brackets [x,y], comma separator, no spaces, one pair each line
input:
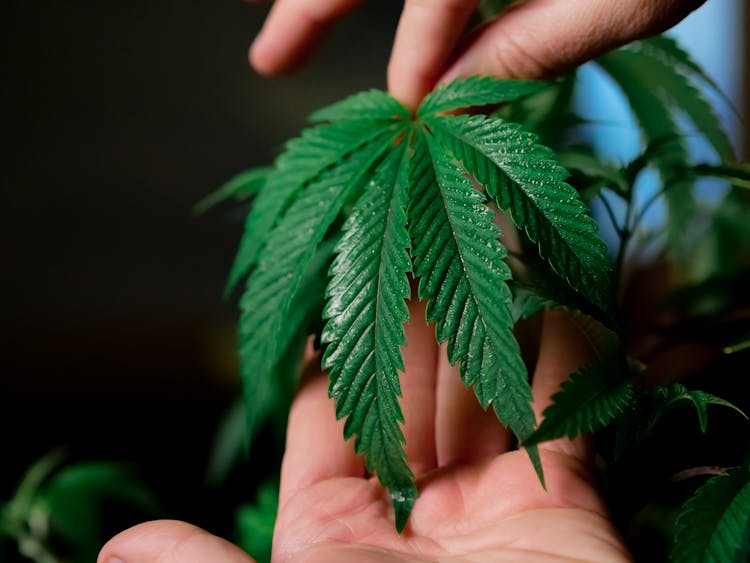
[515,60]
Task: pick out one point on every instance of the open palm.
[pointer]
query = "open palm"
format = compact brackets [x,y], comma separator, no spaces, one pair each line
[490,511]
[479,500]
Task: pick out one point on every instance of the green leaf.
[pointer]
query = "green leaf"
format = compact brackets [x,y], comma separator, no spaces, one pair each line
[737,175]
[255,522]
[636,424]
[459,262]
[592,398]
[524,178]
[653,115]
[366,312]
[668,395]
[290,249]
[526,302]
[303,161]
[676,91]
[75,497]
[17,510]
[548,113]
[239,188]
[535,275]
[670,53]
[372,105]
[271,391]
[476,91]
[658,79]
[714,525]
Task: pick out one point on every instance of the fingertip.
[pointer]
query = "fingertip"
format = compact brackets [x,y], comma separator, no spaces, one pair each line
[426,35]
[169,541]
[408,92]
[259,60]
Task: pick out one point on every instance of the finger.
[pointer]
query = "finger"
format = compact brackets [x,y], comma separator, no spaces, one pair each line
[543,38]
[292,29]
[465,433]
[169,541]
[315,446]
[427,33]
[418,384]
[564,348]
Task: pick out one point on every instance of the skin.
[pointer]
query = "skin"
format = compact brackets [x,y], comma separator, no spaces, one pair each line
[478,500]
[534,39]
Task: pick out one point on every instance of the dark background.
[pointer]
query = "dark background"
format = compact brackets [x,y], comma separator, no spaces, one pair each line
[117,117]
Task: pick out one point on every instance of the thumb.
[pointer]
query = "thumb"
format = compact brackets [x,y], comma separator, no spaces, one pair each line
[169,541]
[544,38]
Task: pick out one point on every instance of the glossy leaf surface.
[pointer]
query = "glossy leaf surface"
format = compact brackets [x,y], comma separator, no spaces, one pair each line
[366,311]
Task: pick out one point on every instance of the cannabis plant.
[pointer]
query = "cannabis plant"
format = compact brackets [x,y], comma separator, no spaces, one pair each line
[372,195]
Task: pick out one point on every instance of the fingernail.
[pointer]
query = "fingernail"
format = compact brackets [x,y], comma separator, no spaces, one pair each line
[115,560]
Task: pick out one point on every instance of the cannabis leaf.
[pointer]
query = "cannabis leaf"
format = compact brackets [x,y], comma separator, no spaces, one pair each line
[271,391]
[714,525]
[538,286]
[366,312]
[371,105]
[527,302]
[592,398]
[239,188]
[671,54]
[283,261]
[650,406]
[459,262]
[668,395]
[525,179]
[548,113]
[303,161]
[659,80]
[476,91]
[669,74]
[402,183]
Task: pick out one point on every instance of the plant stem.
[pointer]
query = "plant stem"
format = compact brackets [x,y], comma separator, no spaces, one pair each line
[612,217]
[625,233]
[653,199]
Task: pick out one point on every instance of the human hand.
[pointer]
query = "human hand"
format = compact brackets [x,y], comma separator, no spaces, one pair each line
[478,500]
[533,39]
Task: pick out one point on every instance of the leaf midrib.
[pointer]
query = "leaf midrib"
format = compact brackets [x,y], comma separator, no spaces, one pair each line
[389,222]
[458,246]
